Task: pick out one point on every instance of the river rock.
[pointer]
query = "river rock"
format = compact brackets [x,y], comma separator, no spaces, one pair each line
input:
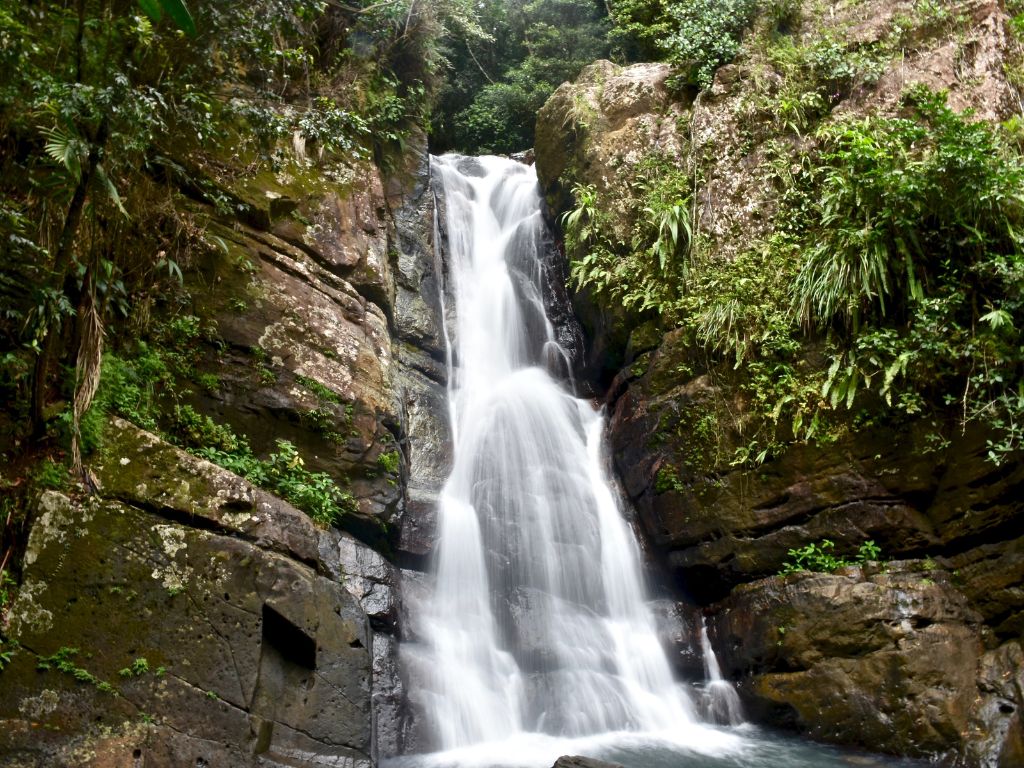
[578,761]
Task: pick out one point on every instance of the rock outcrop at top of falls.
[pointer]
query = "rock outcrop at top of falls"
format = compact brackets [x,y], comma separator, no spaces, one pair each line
[917,661]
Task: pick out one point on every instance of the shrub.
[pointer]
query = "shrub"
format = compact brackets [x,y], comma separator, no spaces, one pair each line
[389,461]
[915,256]
[283,473]
[651,272]
[313,492]
[820,557]
[901,199]
[640,28]
[708,35]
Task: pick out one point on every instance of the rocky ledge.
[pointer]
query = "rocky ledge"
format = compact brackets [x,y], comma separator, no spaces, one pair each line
[892,659]
[184,617]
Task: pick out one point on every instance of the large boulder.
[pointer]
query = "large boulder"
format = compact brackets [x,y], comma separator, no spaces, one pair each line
[599,128]
[892,660]
[184,617]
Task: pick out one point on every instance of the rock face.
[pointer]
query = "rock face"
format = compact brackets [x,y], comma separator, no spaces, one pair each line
[893,661]
[879,484]
[598,131]
[600,127]
[923,659]
[184,617]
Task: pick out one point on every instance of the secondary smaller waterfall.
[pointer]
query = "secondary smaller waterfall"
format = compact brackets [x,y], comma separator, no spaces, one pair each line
[721,702]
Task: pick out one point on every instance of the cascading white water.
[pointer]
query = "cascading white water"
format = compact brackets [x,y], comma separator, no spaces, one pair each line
[535,640]
[538,621]
[721,702]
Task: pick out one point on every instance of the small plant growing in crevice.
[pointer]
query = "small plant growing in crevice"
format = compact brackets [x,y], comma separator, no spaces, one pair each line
[821,557]
[138,668]
[51,475]
[389,462]
[323,422]
[318,389]
[62,661]
[667,479]
[7,650]
[260,363]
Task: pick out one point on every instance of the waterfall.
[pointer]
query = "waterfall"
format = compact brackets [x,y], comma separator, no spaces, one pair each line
[721,702]
[537,622]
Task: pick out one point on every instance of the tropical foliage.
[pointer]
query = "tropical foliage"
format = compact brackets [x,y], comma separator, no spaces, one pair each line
[496,83]
[106,101]
[898,252]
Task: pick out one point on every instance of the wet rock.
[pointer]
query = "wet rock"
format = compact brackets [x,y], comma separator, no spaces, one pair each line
[424,403]
[393,719]
[300,355]
[349,231]
[892,661]
[578,761]
[420,386]
[677,626]
[370,579]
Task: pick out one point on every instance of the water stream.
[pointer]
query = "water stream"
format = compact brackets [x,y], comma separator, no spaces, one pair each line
[536,639]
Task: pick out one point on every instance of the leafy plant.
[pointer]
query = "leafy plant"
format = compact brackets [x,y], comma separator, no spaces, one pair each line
[651,272]
[313,492]
[918,261]
[198,430]
[324,422]
[282,473]
[318,389]
[389,462]
[138,668]
[63,661]
[7,583]
[7,651]
[707,35]
[176,9]
[51,474]
[898,196]
[820,556]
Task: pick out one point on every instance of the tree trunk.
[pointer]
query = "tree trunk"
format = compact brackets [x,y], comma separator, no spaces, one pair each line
[61,265]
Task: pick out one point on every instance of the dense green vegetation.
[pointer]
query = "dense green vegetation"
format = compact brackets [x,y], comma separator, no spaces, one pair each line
[897,254]
[498,78]
[106,101]
[891,285]
[497,81]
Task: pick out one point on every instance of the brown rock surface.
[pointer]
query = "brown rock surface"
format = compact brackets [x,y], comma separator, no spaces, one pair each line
[893,661]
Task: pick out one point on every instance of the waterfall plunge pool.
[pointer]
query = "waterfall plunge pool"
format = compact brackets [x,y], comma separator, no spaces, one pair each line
[692,745]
